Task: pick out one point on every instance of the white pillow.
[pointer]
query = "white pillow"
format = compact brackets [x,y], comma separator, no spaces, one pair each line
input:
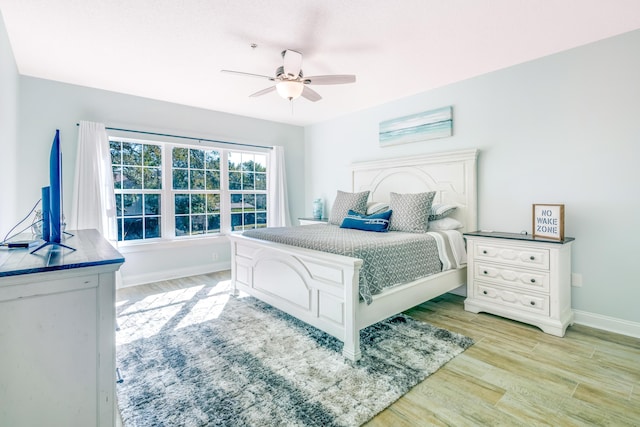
[377,207]
[445,224]
[439,211]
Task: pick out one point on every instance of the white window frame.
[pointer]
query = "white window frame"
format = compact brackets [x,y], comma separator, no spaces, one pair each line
[167,193]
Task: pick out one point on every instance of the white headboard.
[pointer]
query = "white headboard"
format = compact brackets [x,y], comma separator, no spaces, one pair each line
[451,174]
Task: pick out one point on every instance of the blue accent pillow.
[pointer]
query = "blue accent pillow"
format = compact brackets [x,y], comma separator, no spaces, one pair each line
[376,222]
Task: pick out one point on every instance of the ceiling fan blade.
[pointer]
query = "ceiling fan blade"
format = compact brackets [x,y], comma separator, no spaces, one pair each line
[247,74]
[310,94]
[335,79]
[292,63]
[263,92]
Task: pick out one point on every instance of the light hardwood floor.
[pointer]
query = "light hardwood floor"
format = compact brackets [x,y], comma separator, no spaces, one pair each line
[513,375]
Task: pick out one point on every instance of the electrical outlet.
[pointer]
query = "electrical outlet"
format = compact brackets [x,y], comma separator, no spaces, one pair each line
[576,279]
[214,256]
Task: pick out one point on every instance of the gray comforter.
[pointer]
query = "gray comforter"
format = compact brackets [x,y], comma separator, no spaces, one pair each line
[388,258]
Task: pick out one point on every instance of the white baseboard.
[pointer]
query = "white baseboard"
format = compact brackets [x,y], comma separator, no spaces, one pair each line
[606,323]
[177,273]
[598,321]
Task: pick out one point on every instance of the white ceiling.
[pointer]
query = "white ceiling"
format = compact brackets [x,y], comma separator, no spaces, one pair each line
[173,50]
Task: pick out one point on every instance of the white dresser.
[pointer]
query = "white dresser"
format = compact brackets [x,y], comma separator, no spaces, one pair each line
[57,334]
[520,277]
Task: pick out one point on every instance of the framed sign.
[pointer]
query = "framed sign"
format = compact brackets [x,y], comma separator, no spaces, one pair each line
[548,221]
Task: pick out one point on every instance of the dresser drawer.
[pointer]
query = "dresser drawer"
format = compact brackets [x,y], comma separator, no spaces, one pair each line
[512,255]
[521,301]
[523,279]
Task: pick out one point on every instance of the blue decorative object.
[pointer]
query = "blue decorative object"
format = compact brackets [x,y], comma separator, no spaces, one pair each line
[376,222]
[318,208]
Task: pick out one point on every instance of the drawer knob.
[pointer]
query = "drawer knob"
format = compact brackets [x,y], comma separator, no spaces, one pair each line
[484,292]
[484,252]
[532,258]
[533,280]
[485,272]
[533,303]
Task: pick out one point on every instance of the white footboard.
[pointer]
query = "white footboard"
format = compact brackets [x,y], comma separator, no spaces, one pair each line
[318,288]
[322,290]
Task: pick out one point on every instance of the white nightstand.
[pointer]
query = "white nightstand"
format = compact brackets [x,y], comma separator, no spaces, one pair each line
[520,277]
[309,221]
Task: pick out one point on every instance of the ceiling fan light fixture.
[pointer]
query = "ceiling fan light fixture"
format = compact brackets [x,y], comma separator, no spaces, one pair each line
[289,89]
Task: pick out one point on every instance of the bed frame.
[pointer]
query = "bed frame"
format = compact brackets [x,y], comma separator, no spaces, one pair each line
[321,289]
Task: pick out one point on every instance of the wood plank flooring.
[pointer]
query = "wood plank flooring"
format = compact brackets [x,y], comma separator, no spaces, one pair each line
[513,375]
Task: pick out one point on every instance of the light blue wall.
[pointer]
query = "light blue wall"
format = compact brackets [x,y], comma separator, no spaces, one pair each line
[8,133]
[561,129]
[46,105]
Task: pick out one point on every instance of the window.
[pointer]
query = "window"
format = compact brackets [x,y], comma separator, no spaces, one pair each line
[247,190]
[166,190]
[196,190]
[137,178]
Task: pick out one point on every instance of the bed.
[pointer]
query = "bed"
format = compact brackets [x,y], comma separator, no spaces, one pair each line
[323,289]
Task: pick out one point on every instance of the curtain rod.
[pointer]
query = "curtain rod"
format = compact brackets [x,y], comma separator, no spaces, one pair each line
[187,137]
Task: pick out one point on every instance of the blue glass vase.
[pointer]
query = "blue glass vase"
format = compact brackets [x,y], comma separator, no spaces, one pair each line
[317,208]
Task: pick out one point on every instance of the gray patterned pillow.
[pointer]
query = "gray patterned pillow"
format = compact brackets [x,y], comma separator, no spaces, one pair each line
[345,202]
[410,211]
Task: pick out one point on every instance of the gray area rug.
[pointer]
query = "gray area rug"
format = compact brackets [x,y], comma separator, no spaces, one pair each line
[198,357]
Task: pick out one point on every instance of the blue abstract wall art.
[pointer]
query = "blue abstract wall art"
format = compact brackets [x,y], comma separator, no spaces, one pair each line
[423,126]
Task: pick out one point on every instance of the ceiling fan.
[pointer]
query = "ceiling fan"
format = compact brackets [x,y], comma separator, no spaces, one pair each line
[290,83]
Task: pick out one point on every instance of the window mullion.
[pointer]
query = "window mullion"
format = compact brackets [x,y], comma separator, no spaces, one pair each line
[168,209]
[225,199]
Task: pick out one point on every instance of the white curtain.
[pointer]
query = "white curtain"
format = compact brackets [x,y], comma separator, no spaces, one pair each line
[94,203]
[277,205]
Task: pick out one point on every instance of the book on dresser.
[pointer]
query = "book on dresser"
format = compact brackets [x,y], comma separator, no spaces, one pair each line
[520,277]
